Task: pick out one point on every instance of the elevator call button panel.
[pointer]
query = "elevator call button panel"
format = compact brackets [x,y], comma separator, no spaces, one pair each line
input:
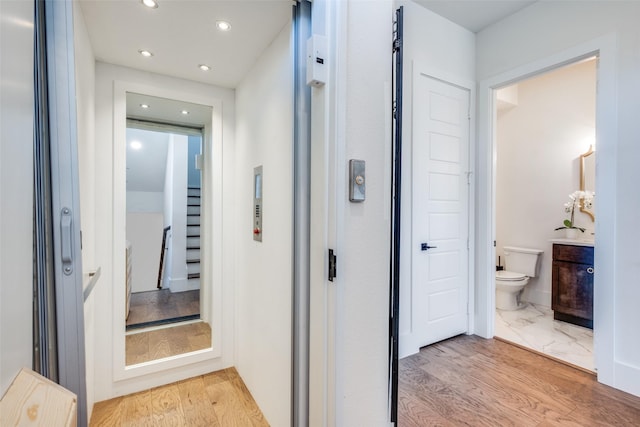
[257,204]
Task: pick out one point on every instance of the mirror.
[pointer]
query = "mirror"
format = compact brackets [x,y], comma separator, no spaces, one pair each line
[164,140]
[588,178]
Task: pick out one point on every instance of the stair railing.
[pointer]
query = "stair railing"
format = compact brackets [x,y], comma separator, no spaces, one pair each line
[162,254]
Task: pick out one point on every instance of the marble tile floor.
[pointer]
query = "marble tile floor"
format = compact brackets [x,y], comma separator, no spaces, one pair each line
[534,327]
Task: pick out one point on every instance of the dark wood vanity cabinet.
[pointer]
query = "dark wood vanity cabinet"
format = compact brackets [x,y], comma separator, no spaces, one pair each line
[572,284]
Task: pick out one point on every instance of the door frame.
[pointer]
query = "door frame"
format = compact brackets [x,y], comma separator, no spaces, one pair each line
[407,345]
[212,201]
[68,347]
[606,135]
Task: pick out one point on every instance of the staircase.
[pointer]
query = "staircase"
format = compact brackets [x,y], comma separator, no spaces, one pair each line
[193,236]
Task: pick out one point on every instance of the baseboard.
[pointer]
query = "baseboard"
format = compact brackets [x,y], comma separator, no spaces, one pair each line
[627,378]
[183,285]
[537,297]
[406,347]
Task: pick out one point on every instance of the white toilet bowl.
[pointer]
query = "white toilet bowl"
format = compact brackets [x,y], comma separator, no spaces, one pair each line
[509,285]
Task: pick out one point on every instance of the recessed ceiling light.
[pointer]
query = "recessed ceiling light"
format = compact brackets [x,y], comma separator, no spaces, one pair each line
[136,145]
[204,67]
[223,25]
[184,112]
[150,3]
[145,53]
[145,106]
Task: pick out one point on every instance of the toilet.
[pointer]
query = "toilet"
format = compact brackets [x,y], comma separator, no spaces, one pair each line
[520,265]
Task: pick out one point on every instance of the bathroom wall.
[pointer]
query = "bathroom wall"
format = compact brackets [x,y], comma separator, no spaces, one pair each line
[539,142]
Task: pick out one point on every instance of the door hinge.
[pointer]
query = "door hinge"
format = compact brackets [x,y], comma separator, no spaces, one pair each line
[397,44]
[332,265]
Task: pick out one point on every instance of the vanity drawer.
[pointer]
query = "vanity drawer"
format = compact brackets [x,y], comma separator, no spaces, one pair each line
[568,253]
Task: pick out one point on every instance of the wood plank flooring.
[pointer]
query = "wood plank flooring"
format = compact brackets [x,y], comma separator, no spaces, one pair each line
[218,399]
[470,381]
[175,339]
[152,306]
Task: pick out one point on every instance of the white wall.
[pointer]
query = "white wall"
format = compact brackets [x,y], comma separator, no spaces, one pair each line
[145,224]
[539,143]
[168,216]
[85,108]
[363,228]
[106,74]
[145,201]
[264,282]
[517,41]
[16,188]
[453,62]
[144,232]
[177,179]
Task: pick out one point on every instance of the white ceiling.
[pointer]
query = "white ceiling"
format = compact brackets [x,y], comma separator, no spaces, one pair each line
[167,110]
[475,15]
[182,34]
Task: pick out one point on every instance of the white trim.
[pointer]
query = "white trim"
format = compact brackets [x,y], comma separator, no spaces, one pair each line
[606,131]
[212,204]
[337,212]
[327,208]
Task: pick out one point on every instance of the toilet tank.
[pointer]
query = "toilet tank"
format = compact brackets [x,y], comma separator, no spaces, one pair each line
[522,260]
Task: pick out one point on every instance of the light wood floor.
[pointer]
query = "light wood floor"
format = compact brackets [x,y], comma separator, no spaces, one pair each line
[470,381]
[161,304]
[175,339]
[212,400]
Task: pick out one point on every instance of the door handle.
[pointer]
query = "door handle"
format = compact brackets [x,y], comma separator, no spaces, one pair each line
[66,241]
[426,247]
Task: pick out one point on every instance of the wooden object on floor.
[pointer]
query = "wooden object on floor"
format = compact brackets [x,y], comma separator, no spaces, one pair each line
[572,284]
[212,400]
[468,380]
[33,400]
[160,343]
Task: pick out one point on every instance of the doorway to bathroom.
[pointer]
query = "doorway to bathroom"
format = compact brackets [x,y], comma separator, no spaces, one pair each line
[544,200]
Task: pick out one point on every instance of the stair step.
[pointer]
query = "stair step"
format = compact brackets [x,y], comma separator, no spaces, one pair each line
[193,193]
[193,261]
[193,204]
[193,276]
[193,214]
[193,247]
[193,235]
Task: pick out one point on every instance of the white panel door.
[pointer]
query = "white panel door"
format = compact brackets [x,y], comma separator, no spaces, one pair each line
[440,279]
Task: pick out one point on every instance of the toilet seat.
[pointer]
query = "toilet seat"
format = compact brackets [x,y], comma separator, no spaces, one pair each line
[509,276]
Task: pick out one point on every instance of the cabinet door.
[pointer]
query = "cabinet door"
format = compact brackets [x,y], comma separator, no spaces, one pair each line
[573,289]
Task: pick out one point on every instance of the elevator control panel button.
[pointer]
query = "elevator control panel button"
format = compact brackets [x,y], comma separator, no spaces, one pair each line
[257,204]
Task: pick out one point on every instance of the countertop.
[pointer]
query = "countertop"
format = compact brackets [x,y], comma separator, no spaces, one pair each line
[574,242]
